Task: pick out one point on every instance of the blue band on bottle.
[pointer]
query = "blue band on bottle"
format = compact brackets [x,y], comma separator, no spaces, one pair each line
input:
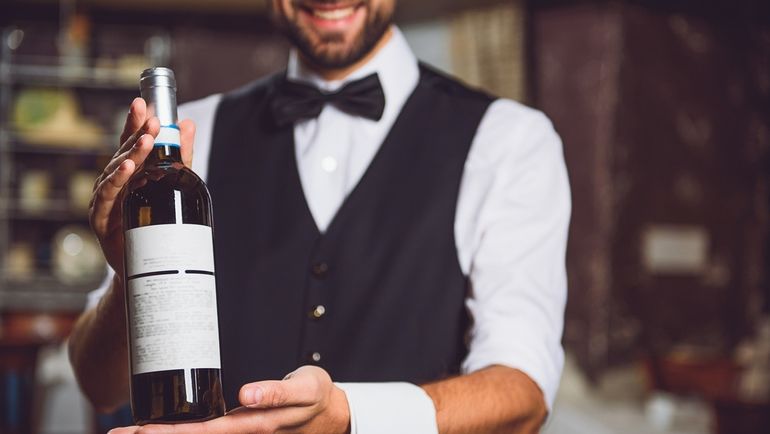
[168,135]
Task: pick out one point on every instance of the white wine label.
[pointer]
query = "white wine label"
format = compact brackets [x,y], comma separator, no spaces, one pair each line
[171,298]
[180,247]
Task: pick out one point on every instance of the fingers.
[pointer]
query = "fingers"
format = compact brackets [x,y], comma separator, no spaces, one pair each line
[107,193]
[239,421]
[187,133]
[136,117]
[137,147]
[131,148]
[303,387]
[124,430]
[294,403]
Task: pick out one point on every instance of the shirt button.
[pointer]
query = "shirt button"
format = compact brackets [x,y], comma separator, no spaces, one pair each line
[315,357]
[318,311]
[320,269]
[329,164]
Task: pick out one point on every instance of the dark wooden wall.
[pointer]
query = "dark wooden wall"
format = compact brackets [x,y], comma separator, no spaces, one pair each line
[664,109]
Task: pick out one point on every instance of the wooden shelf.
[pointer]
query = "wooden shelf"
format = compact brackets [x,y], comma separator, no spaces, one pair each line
[54,210]
[35,71]
[406,10]
[15,144]
[47,301]
[253,6]
[45,293]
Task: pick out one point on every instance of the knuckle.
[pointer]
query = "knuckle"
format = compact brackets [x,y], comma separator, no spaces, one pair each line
[130,141]
[277,397]
[113,180]
[101,193]
[97,181]
[92,215]
[318,388]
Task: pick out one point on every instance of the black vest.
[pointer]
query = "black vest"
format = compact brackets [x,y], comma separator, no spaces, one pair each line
[380,295]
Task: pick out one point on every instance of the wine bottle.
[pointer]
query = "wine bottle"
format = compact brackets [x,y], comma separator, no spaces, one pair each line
[173,332]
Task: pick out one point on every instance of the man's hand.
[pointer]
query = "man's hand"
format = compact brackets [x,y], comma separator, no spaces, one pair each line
[305,401]
[136,143]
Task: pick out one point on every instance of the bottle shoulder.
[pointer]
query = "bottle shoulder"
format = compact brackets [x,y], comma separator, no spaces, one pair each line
[167,177]
[165,195]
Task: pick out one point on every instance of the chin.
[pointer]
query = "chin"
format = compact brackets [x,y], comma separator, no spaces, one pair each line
[340,42]
[331,51]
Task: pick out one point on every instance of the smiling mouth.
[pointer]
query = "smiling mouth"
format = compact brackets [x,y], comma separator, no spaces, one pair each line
[330,12]
[337,14]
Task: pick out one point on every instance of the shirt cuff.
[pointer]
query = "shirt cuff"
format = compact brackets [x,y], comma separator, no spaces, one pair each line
[386,408]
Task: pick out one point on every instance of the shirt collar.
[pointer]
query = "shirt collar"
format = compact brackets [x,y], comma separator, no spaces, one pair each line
[395,64]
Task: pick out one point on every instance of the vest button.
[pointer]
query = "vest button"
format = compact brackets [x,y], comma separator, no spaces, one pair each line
[315,357]
[320,269]
[318,311]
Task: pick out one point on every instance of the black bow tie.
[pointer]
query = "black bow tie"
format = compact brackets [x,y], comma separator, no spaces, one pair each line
[295,101]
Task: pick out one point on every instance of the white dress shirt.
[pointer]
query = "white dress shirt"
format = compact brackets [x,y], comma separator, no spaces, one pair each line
[510,227]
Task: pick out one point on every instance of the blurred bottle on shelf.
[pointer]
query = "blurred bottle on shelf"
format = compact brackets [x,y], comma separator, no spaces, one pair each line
[80,188]
[77,258]
[34,191]
[20,262]
[73,44]
[754,356]
[51,117]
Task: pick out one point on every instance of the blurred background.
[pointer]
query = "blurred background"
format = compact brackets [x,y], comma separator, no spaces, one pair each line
[664,109]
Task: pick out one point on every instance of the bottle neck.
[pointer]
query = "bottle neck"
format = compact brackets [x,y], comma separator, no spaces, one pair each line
[158,88]
[164,154]
[167,146]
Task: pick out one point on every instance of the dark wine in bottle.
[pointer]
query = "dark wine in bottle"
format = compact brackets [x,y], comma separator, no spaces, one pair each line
[171,306]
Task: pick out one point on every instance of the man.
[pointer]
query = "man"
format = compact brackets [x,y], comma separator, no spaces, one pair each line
[363,245]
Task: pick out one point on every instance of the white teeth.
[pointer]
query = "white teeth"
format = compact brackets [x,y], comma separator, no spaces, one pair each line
[335,14]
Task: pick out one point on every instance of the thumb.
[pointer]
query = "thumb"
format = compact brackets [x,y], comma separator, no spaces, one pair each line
[124,430]
[302,387]
[187,136]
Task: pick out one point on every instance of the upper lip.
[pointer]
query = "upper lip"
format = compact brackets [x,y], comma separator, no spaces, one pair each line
[324,6]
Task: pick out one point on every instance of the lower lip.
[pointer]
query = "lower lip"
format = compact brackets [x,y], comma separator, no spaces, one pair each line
[333,24]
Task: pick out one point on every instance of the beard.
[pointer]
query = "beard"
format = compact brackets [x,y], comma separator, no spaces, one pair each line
[327,51]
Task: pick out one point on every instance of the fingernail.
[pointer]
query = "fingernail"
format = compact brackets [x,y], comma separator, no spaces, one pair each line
[256,396]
